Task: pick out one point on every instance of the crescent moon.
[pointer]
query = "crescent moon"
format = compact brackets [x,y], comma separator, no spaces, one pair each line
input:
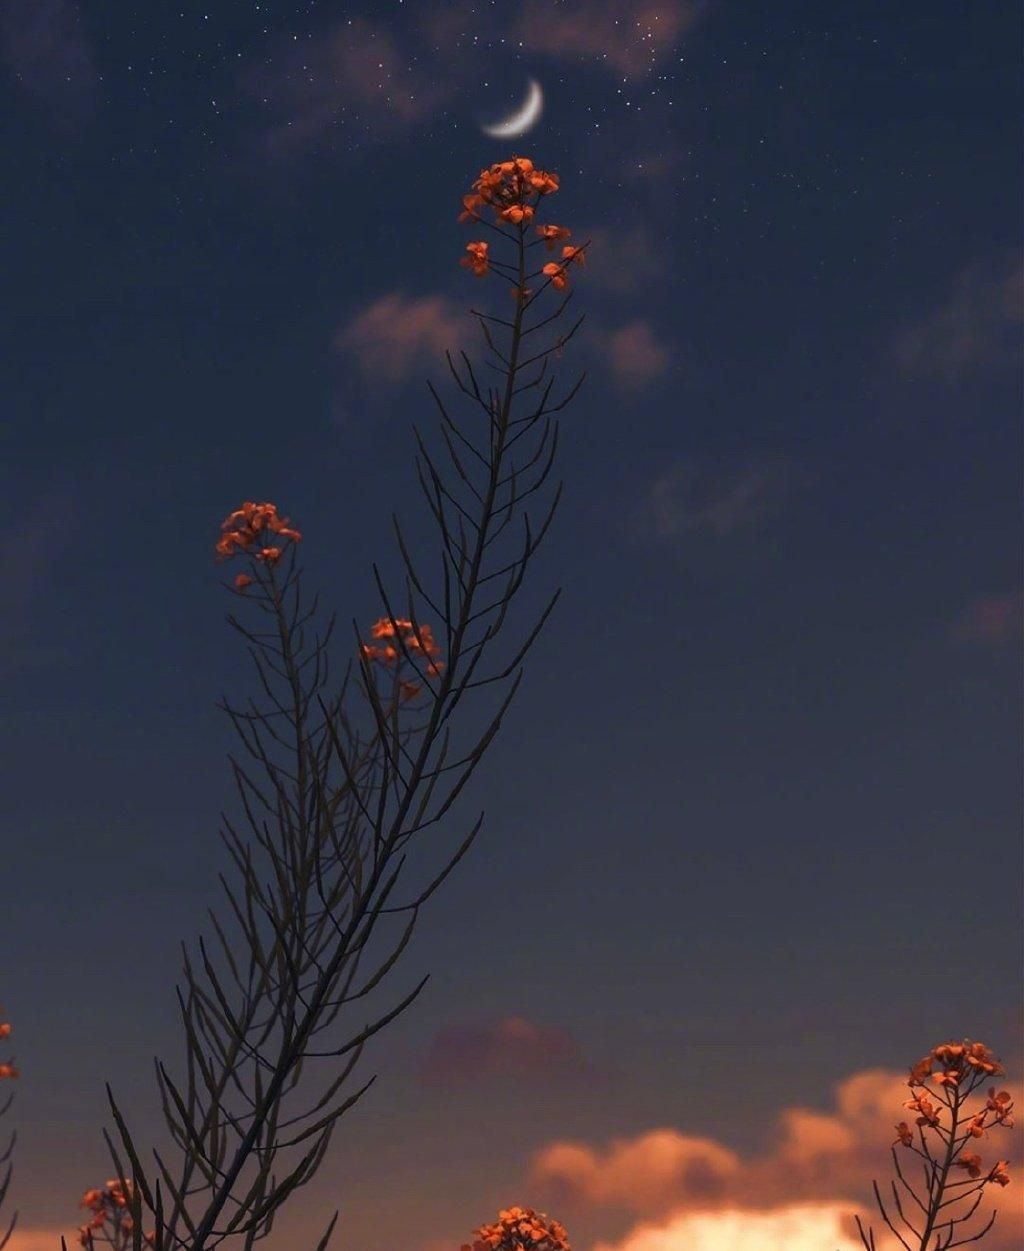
[519,123]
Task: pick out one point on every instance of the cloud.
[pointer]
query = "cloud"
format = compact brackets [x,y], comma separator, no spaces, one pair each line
[632,353]
[623,262]
[397,332]
[690,1193]
[509,1048]
[992,621]
[979,323]
[37,542]
[803,1227]
[354,73]
[628,37]
[695,498]
[649,1174]
[45,48]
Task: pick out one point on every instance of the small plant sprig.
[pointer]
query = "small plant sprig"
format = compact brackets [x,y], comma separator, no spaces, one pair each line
[7,1072]
[520,1229]
[111,1223]
[956,1071]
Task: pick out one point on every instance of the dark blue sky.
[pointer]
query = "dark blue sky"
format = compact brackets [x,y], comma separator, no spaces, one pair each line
[753,825]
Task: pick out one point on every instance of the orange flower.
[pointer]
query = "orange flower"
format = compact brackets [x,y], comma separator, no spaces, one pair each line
[972,1163]
[521,1229]
[905,1134]
[946,1053]
[570,254]
[999,1174]
[384,628]
[551,235]
[920,1072]
[980,1057]
[948,1077]
[270,554]
[557,274]
[242,581]
[517,213]
[8,1070]
[477,260]
[505,186]
[231,540]
[244,527]
[472,203]
[545,184]
[924,1105]
[976,1126]
[5,1029]
[1000,1104]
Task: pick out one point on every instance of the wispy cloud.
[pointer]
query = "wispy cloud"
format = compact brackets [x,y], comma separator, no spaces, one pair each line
[687,1192]
[697,498]
[398,332]
[628,36]
[356,72]
[632,354]
[992,621]
[623,262]
[46,50]
[37,542]
[509,1048]
[979,322]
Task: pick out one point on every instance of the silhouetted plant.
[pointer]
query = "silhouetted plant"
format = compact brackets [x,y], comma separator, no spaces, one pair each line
[964,1067]
[340,841]
[8,1071]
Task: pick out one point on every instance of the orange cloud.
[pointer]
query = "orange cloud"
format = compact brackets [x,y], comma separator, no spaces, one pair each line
[629,36]
[632,353]
[693,1193]
[513,1047]
[650,1174]
[992,620]
[800,1227]
[397,332]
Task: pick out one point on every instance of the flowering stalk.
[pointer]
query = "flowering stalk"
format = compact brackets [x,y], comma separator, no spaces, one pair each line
[964,1067]
[111,1224]
[341,832]
[520,1229]
[8,1071]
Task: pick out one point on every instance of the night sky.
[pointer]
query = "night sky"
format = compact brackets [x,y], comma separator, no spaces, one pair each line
[753,830]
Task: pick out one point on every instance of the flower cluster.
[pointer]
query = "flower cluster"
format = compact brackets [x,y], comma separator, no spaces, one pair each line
[109,1207]
[247,527]
[520,1229]
[958,1067]
[7,1069]
[955,1070]
[389,654]
[506,187]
